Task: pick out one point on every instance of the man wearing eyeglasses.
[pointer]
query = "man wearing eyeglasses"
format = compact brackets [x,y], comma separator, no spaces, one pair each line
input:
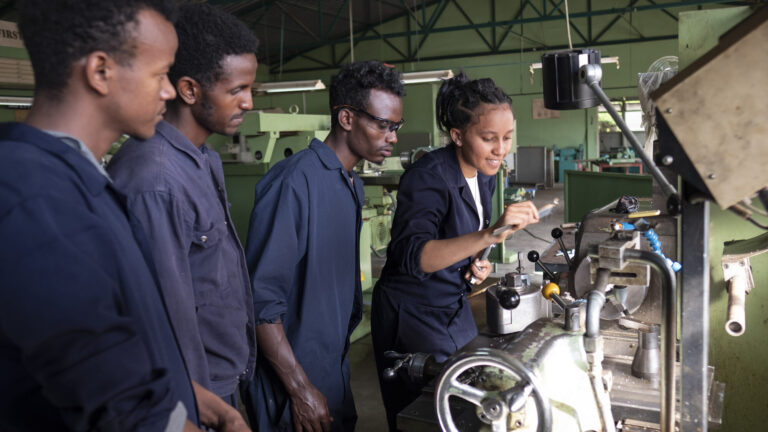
[303,257]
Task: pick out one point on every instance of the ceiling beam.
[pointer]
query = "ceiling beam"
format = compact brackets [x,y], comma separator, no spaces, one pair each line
[469,20]
[298,21]
[572,24]
[613,21]
[511,51]
[508,24]
[666,12]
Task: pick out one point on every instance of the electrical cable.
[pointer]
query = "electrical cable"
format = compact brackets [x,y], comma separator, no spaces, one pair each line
[757,224]
[378,255]
[743,213]
[535,236]
[748,204]
[568,25]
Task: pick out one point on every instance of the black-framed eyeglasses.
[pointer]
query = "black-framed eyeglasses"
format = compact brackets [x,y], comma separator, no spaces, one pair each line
[382,123]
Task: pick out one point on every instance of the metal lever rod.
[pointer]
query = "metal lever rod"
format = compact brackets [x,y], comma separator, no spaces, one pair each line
[533,257]
[557,234]
[591,74]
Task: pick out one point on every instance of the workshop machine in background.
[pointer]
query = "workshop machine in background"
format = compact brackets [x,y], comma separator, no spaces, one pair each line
[599,350]
[263,139]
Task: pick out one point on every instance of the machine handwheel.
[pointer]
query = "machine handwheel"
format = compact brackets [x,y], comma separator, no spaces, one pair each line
[493,405]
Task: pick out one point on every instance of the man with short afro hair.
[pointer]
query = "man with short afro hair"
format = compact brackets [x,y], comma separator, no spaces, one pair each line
[303,256]
[175,186]
[85,340]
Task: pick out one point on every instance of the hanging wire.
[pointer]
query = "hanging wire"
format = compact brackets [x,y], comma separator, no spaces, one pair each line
[568,25]
[351,35]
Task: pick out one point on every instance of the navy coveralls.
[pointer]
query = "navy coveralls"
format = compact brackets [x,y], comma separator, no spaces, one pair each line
[85,341]
[177,192]
[302,252]
[414,311]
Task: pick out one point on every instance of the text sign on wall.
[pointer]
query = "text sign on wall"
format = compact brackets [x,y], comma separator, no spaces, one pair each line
[10,36]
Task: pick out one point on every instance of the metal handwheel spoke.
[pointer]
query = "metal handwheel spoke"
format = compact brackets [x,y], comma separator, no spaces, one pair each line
[466,392]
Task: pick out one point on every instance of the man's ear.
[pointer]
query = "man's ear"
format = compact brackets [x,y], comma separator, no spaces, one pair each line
[345,119]
[189,90]
[456,136]
[99,69]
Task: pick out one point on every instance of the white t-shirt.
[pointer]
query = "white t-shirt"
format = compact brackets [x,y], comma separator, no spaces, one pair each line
[475,189]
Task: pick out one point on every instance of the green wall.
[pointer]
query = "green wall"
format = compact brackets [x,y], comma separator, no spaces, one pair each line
[510,70]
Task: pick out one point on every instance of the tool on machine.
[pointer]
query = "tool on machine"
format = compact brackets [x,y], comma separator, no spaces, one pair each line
[737,274]
[573,315]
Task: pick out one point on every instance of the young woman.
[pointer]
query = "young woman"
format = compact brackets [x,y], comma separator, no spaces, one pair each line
[440,229]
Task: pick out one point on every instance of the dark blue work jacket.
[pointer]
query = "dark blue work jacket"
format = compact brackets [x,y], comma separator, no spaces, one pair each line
[303,255]
[177,192]
[433,202]
[85,341]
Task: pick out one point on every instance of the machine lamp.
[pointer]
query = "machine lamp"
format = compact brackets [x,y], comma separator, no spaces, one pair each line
[427,76]
[289,86]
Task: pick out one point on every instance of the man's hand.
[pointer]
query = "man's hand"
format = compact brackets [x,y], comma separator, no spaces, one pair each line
[308,406]
[310,410]
[217,414]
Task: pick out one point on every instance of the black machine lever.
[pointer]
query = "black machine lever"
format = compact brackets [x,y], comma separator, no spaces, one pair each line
[533,257]
[557,234]
[419,367]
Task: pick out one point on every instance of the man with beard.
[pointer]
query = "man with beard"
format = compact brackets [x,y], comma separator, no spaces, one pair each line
[175,186]
[303,255]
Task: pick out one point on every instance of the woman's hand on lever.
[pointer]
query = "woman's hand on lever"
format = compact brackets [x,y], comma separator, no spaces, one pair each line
[479,270]
[517,216]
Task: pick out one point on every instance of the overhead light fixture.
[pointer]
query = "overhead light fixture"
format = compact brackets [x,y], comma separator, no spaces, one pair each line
[428,76]
[289,86]
[15,101]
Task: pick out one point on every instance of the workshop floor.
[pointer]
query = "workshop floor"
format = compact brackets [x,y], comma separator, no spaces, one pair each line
[365,385]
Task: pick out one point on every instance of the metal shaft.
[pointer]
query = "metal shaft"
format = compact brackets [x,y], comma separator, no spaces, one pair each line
[669,331]
[591,75]
[565,252]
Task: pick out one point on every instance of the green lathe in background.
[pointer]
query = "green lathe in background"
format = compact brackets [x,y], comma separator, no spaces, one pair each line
[264,139]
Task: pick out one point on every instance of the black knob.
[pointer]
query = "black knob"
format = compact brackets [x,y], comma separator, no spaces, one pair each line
[557,233]
[533,256]
[508,298]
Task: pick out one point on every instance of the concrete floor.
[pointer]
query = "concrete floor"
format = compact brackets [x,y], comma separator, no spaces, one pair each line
[365,385]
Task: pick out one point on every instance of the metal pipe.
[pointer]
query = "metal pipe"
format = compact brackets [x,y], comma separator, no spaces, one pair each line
[668,335]
[735,323]
[595,303]
[591,74]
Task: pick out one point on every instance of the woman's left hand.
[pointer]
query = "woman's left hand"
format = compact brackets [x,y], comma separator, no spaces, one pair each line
[480,270]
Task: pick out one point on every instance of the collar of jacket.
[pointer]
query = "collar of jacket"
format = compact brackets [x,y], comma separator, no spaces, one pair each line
[94,181]
[458,178]
[179,141]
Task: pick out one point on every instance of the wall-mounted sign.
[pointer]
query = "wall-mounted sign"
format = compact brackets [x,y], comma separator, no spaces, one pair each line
[10,36]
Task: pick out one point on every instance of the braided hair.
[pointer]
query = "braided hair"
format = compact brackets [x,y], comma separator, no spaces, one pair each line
[459,97]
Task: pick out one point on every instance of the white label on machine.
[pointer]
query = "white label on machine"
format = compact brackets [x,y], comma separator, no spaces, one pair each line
[583,59]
